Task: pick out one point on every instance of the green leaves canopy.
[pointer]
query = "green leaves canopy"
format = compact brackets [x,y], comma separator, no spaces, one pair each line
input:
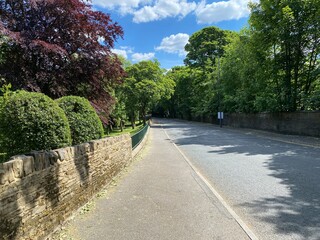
[145,85]
[287,34]
[206,44]
[274,65]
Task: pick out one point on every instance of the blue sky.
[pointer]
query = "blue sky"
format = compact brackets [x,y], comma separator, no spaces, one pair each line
[160,28]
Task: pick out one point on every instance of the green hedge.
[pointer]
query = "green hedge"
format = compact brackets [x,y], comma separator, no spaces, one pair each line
[84,122]
[32,121]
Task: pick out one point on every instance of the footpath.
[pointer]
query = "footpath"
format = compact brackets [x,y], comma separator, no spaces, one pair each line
[160,197]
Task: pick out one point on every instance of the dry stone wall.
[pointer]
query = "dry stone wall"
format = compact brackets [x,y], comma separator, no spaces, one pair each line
[41,190]
[300,123]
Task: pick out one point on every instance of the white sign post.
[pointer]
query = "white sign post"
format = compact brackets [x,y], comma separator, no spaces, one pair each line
[220,117]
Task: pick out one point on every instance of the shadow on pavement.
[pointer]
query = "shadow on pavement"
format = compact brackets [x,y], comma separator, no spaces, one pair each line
[297,167]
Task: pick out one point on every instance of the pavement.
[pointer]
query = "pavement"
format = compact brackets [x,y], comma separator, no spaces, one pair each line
[160,197]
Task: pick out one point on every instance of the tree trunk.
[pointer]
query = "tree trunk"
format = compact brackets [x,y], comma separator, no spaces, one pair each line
[121,125]
[133,121]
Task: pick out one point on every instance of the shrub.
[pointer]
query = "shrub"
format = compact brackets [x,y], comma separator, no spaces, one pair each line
[84,122]
[32,121]
[1,137]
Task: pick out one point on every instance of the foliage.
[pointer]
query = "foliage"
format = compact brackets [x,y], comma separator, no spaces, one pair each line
[32,121]
[287,34]
[273,65]
[54,48]
[5,92]
[125,130]
[180,103]
[197,92]
[85,124]
[206,45]
[145,85]
[244,86]
[3,41]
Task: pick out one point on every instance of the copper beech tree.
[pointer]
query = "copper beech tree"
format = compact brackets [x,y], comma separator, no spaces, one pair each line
[55,47]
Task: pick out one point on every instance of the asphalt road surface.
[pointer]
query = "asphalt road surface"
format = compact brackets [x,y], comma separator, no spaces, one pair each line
[273,185]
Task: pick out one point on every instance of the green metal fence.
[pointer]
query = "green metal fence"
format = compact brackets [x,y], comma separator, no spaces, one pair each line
[138,137]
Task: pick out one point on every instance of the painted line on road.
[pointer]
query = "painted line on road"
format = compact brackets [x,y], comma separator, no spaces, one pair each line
[241,223]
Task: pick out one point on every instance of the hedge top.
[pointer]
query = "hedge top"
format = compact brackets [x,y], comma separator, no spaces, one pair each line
[32,121]
[84,122]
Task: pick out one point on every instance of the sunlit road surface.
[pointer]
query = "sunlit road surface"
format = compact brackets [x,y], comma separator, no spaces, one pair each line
[274,186]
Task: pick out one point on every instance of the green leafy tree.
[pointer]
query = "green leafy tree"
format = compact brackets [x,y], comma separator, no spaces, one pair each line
[54,48]
[181,100]
[287,32]
[204,52]
[206,45]
[145,85]
[245,86]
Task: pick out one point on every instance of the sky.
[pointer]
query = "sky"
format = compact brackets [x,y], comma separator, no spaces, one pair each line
[159,29]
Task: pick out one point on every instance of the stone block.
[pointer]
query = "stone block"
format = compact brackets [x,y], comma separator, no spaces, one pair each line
[28,165]
[6,172]
[3,175]
[86,147]
[95,145]
[71,152]
[62,154]
[52,156]
[39,160]
[46,161]
[77,150]
[17,166]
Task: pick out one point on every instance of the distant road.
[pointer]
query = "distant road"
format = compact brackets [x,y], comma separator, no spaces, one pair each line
[274,186]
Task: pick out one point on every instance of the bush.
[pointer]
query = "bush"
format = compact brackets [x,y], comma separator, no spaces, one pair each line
[1,137]
[32,121]
[84,122]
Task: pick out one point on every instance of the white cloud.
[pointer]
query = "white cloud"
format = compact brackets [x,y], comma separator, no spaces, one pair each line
[120,52]
[221,11]
[148,10]
[127,49]
[123,6]
[153,10]
[137,57]
[163,9]
[174,44]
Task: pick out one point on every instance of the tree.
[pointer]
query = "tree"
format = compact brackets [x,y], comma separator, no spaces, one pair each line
[145,85]
[245,85]
[288,32]
[181,100]
[206,44]
[54,48]
[204,51]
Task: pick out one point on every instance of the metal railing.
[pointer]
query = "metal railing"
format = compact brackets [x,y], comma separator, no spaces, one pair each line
[138,137]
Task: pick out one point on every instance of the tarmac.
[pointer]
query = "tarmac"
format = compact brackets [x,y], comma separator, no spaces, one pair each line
[159,197]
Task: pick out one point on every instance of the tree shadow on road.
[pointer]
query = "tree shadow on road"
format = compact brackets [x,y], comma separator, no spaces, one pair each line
[295,167]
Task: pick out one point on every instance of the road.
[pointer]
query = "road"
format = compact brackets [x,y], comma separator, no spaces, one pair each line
[271,184]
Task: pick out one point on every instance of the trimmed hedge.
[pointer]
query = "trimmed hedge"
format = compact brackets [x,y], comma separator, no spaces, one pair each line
[84,122]
[2,153]
[32,121]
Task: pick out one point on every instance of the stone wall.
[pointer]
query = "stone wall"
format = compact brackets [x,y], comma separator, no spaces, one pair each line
[301,123]
[40,190]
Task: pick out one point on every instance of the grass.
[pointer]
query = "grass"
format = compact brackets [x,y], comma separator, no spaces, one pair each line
[87,207]
[128,129]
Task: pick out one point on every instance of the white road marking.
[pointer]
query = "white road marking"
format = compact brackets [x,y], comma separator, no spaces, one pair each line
[241,223]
